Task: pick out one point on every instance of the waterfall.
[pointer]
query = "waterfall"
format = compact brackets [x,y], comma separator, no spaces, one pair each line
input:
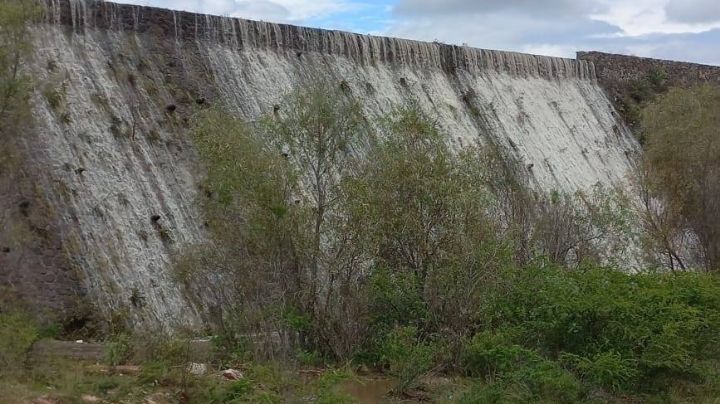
[243,34]
[134,62]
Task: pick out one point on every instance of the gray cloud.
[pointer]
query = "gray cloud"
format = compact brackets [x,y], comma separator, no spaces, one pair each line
[262,10]
[530,7]
[693,11]
[518,25]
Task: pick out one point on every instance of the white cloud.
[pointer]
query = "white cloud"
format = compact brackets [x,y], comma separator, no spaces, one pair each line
[268,10]
[693,11]
[644,17]
[677,29]
[546,49]
[556,7]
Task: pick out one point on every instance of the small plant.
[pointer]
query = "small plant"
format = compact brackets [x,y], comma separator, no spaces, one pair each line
[54,96]
[492,354]
[165,235]
[326,387]
[18,331]
[118,349]
[607,369]
[407,357]
[308,358]
[154,372]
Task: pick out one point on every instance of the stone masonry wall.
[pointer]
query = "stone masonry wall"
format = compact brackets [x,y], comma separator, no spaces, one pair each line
[631,81]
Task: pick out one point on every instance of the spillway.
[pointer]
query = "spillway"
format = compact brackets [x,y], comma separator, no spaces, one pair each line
[120,174]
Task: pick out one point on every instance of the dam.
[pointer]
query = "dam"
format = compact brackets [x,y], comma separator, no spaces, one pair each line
[115,177]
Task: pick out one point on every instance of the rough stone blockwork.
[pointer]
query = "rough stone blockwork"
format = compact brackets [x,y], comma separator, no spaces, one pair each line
[119,174]
[613,71]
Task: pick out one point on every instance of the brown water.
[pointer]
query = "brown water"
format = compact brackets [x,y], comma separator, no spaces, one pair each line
[368,391]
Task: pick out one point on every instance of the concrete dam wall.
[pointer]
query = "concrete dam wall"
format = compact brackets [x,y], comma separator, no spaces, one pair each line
[116,177]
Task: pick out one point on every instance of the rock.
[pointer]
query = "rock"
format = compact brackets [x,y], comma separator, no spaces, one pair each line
[45,400]
[118,369]
[232,374]
[127,369]
[197,369]
[157,398]
[87,398]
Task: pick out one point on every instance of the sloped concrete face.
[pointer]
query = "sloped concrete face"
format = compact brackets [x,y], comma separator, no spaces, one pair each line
[121,172]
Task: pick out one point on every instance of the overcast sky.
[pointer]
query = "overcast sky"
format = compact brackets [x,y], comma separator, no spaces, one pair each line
[687,30]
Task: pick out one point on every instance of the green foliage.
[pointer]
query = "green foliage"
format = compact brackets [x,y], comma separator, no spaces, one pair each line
[326,387]
[492,353]
[118,349]
[18,331]
[395,300]
[229,349]
[55,96]
[154,372]
[250,212]
[15,91]
[415,257]
[236,391]
[628,329]
[241,169]
[423,214]
[307,358]
[682,164]
[540,381]
[406,356]
[606,369]
[636,93]
[15,47]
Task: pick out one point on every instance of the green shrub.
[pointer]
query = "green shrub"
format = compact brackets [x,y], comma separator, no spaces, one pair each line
[154,372]
[237,390]
[539,381]
[406,356]
[55,97]
[18,331]
[308,358]
[625,328]
[118,349]
[327,390]
[549,382]
[607,369]
[171,351]
[394,301]
[229,349]
[491,354]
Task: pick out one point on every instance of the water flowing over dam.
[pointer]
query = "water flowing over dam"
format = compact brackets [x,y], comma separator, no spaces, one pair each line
[121,176]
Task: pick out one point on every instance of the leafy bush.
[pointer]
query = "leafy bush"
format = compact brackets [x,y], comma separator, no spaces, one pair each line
[327,387]
[540,381]
[623,329]
[118,350]
[395,300]
[606,369]
[154,372]
[406,356]
[492,353]
[237,391]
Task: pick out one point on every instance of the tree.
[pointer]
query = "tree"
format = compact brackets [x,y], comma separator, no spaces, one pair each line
[320,129]
[15,109]
[424,210]
[250,263]
[275,209]
[15,48]
[682,160]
